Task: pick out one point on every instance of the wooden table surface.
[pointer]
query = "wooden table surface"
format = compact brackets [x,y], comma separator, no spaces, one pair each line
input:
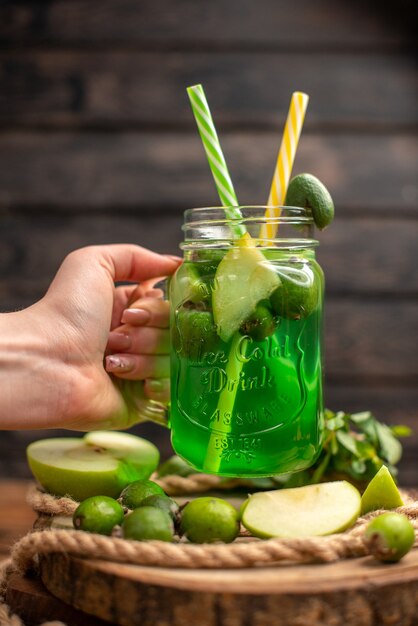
[31,600]
[27,596]
[16,517]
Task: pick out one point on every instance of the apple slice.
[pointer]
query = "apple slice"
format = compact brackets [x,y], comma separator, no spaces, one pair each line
[381,493]
[302,512]
[134,452]
[101,463]
[243,278]
[62,522]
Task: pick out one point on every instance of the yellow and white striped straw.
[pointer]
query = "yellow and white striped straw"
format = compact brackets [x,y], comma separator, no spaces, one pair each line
[285,159]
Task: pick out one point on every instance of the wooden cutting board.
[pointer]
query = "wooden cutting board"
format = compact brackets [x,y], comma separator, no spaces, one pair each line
[356,592]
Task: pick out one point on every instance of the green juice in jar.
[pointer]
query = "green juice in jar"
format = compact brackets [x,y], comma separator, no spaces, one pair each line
[247,401]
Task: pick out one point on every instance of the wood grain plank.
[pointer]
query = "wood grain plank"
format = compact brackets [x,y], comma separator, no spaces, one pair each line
[366,256]
[360,256]
[223,22]
[16,517]
[366,340]
[391,405]
[29,599]
[343,593]
[132,170]
[138,88]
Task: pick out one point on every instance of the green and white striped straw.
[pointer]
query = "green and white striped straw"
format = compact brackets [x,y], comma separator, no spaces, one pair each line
[215,157]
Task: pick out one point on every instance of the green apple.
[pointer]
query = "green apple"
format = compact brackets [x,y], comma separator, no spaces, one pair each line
[100,463]
[381,493]
[243,278]
[303,511]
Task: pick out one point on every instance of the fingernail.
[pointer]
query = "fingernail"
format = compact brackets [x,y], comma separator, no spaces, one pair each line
[135,316]
[122,363]
[173,257]
[119,341]
[155,385]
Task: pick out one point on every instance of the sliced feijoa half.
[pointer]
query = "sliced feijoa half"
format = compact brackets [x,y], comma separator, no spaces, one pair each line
[243,278]
[101,463]
[208,260]
[303,511]
[381,493]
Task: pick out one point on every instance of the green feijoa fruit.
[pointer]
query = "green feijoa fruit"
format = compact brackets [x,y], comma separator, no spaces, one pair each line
[298,295]
[136,492]
[307,191]
[147,523]
[175,465]
[98,514]
[208,261]
[260,324]
[208,519]
[389,537]
[164,503]
[194,333]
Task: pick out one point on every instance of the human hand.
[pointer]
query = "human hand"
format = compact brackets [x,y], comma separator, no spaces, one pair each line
[57,378]
[138,349]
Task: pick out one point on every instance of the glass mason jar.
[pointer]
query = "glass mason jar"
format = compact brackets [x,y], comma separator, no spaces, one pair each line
[246,343]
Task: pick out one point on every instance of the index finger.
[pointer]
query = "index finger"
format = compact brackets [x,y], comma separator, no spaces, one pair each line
[148,312]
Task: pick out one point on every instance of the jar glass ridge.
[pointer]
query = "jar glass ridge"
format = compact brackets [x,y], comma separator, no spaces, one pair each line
[246,343]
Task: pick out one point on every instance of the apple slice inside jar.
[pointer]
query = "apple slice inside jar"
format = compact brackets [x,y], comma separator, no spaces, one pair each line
[244,277]
[101,463]
[303,511]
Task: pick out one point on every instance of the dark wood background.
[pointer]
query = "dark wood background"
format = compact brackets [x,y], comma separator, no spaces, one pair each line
[98,145]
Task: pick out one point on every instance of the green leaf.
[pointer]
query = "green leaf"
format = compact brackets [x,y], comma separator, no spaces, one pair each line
[390,447]
[336,422]
[321,468]
[367,425]
[366,450]
[356,445]
[401,431]
[358,466]
[346,440]
[334,446]
[358,418]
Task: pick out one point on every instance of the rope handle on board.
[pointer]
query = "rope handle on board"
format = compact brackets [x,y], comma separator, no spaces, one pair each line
[242,553]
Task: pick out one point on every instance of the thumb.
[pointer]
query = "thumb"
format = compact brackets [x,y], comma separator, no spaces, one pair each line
[85,271]
[134,263]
